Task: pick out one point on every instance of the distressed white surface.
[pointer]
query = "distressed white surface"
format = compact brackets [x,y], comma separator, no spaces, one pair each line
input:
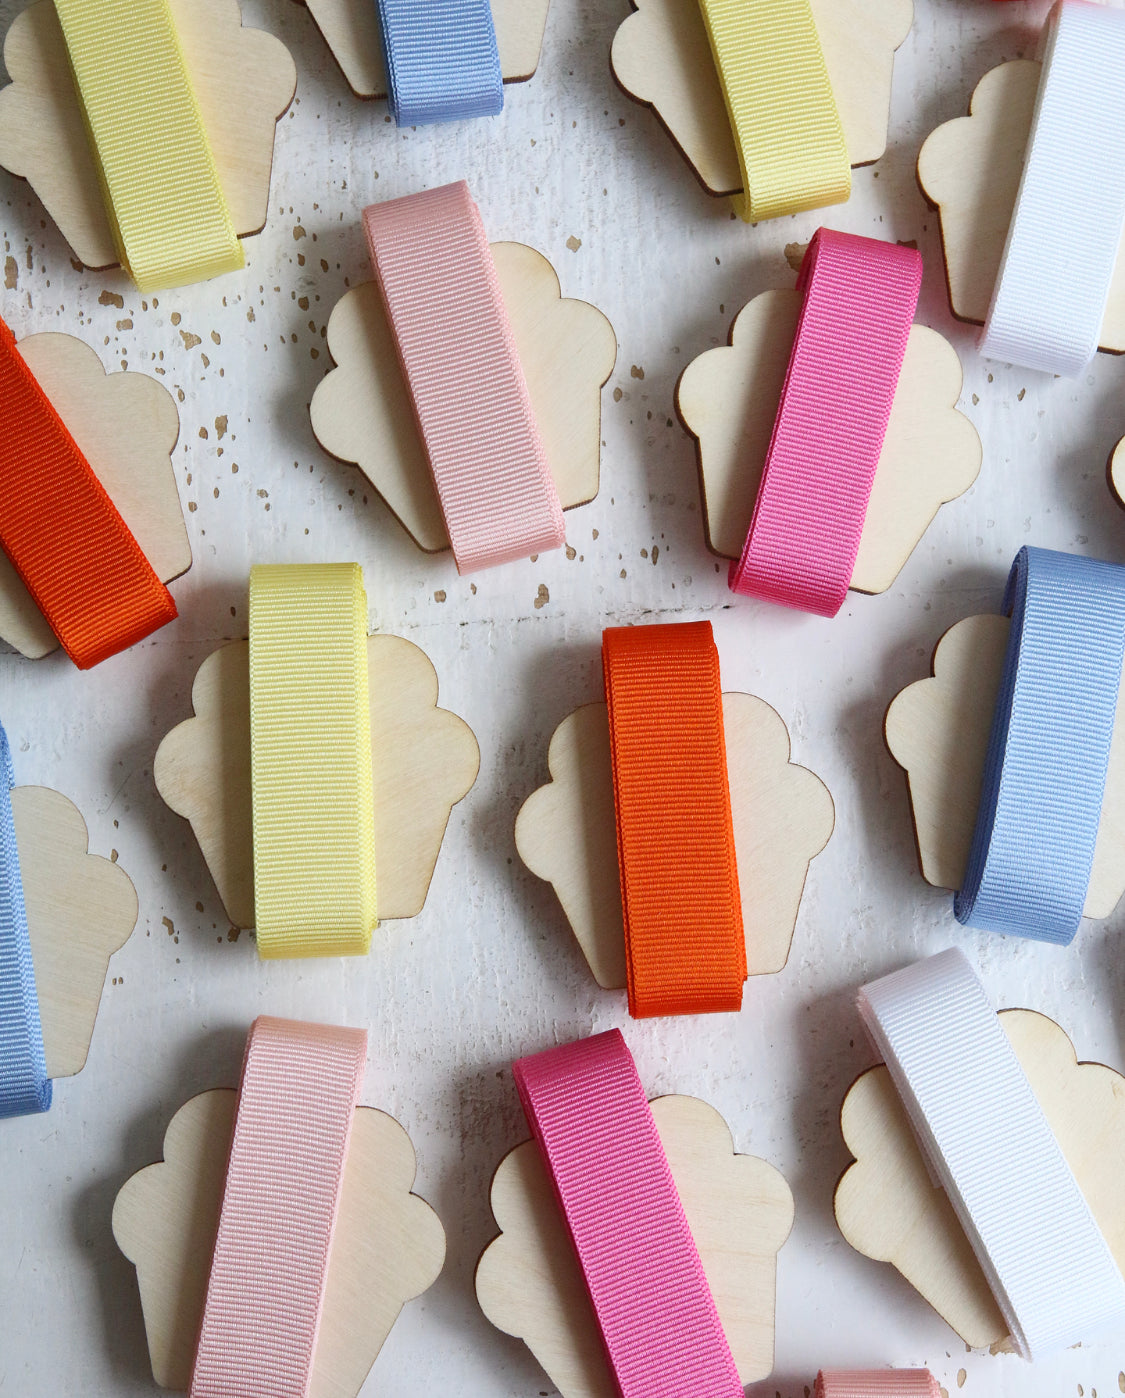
[489,970]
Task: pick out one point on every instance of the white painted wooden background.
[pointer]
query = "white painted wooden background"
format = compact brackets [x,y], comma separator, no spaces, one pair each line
[489,970]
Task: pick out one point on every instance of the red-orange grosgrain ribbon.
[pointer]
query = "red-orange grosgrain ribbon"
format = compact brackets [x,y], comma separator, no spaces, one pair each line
[684,943]
[63,533]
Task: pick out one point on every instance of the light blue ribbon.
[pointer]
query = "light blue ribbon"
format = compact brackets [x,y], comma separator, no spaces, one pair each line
[442,60]
[24,1084]
[1048,752]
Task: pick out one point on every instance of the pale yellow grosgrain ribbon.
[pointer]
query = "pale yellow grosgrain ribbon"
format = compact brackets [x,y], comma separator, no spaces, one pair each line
[310,745]
[791,146]
[166,206]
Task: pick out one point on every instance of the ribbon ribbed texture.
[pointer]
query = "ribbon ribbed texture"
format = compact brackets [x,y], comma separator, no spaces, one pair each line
[439,284]
[787,130]
[310,746]
[1050,296]
[166,206]
[988,1142]
[876,1383]
[24,1084]
[296,1102]
[1048,750]
[859,301]
[589,1115]
[442,60]
[685,947]
[62,532]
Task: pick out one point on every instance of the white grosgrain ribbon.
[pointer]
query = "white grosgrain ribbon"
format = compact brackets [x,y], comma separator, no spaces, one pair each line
[1055,274]
[989,1145]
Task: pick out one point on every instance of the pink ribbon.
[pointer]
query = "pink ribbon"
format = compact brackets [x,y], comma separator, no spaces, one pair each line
[859,301]
[591,1119]
[876,1383]
[300,1084]
[439,284]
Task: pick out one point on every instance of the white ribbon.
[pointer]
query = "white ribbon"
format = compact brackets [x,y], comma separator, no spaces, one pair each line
[989,1144]
[1050,296]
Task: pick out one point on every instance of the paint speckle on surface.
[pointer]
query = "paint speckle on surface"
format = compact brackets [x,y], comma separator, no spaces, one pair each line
[11,273]
[637,372]
[573,243]
[795,254]
[190,340]
[439,596]
[618,394]
[571,553]
[299,233]
[221,428]
[542,597]
[112,298]
[962,1376]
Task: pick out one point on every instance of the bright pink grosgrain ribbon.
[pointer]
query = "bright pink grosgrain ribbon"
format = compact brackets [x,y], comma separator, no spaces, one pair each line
[591,1119]
[443,300]
[876,1383]
[859,301]
[298,1095]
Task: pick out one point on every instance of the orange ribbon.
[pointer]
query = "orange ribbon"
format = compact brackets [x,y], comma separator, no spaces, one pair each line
[684,942]
[63,533]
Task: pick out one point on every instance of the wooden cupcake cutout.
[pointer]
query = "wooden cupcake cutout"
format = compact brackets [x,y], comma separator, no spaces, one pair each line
[244,81]
[388,1245]
[782,815]
[740,1211]
[362,411]
[126,425]
[81,908]
[938,729]
[351,31]
[889,1209]
[425,759]
[1115,473]
[661,57]
[728,397]
[970,169]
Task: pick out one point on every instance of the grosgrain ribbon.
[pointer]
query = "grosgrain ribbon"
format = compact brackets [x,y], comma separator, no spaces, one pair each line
[62,532]
[860,296]
[593,1125]
[787,130]
[685,947]
[166,206]
[1059,258]
[986,1139]
[439,284]
[300,1085]
[310,744]
[876,1383]
[1048,751]
[442,60]
[24,1084]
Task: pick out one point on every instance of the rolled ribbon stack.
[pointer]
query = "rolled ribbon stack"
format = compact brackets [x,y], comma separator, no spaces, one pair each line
[310,749]
[876,1383]
[1049,301]
[444,304]
[297,1098]
[594,1128]
[167,209]
[986,1140]
[24,1085]
[1048,750]
[674,828]
[63,534]
[442,60]
[859,298]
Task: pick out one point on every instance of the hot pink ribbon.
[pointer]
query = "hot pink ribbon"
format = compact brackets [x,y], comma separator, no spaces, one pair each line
[876,1383]
[859,301]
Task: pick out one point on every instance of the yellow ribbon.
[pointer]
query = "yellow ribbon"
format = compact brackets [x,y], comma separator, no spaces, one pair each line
[166,206]
[791,146]
[310,747]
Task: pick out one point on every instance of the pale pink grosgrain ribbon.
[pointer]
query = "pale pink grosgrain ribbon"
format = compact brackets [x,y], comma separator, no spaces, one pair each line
[300,1085]
[594,1127]
[860,296]
[455,344]
[876,1383]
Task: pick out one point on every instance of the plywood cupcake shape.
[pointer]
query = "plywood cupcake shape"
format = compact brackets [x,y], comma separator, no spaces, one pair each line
[662,57]
[362,411]
[888,1208]
[351,31]
[728,399]
[126,426]
[782,816]
[244,80]
[738,1208]
[388,1245]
